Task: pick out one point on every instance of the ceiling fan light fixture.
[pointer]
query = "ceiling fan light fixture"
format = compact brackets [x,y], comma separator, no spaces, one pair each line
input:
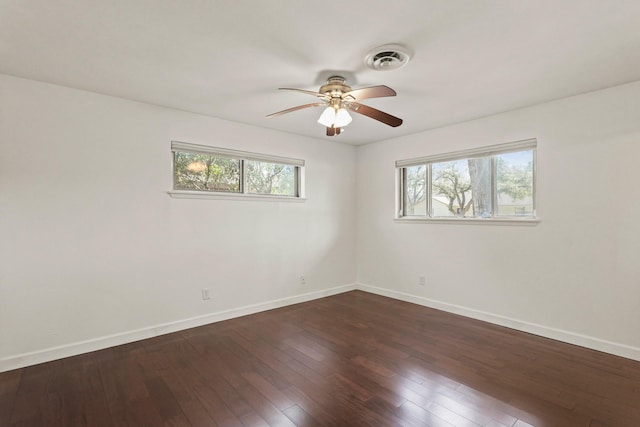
[328,117]
[343,118]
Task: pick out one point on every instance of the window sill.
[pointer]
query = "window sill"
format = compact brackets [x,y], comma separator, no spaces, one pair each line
[468,221]
[177,194]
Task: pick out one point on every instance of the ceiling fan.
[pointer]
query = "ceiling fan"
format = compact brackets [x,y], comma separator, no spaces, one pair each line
[339,99]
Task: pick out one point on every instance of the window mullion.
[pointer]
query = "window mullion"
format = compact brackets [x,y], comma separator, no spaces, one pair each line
[533,180]
[428,194]
[243,176]
[402,184]
[494,191]
[173,169]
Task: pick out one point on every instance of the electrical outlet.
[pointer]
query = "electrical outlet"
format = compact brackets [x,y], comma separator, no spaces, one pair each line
[303,280]
[205,293]
[422,281]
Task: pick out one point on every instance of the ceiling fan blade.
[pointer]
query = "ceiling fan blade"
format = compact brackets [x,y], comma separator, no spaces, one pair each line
[308,92]
[299,107]
[370,92]
[338,130]
[331,131]
[378,115]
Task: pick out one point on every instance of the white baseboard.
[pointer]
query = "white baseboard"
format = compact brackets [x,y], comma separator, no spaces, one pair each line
[73,349]
[617,349]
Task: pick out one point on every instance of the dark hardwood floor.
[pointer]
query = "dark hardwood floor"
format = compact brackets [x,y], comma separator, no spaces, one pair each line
[354,359]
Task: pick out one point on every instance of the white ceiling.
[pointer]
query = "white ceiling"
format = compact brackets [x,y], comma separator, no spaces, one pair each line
[226,59]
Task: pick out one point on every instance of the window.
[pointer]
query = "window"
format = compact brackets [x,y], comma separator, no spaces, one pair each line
[202,171]
[491,182]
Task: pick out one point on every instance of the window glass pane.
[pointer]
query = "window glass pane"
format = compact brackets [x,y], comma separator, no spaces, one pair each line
[205,172]
[415,191]
[461,188]
[514,184]
[271,178]
[450,188]
[480,175]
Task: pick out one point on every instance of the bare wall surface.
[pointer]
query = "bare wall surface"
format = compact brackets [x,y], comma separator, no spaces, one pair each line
[94,251]
[577,271]
[92,245]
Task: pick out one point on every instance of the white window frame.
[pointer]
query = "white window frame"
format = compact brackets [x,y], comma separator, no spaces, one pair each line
[492,150]
[243,157]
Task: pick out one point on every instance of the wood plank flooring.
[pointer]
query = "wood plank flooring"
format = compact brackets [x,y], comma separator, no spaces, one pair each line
[354,359]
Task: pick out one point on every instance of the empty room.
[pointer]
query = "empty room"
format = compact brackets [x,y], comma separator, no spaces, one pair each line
[338,213]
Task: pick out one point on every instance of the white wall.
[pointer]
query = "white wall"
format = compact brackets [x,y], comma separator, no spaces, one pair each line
[93,252]
[574,276]
[92,245]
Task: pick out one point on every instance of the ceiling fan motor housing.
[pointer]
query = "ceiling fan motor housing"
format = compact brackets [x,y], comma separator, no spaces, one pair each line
[334,87]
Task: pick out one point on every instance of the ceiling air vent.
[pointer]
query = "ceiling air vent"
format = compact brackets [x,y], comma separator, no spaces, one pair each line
[388,57]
